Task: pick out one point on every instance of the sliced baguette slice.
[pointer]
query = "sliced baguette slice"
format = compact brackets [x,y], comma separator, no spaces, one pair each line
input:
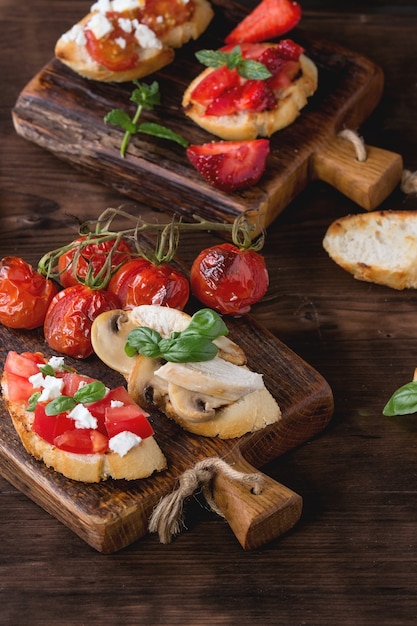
[247,125]
[140,462]
[378,247]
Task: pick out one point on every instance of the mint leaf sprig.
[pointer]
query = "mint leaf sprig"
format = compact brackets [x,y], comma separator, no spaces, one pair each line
[247,68]
[146,97]
[194,343]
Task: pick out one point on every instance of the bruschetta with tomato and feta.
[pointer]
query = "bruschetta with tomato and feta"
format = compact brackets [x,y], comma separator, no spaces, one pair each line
[76,425]
[124,40]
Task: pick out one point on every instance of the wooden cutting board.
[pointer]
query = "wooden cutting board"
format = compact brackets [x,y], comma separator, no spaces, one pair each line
[64,113]
[113,514]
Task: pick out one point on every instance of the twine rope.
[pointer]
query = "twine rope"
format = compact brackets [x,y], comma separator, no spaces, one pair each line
[167,518]
[408,183]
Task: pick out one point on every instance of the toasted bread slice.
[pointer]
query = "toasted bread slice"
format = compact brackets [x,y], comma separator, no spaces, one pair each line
[378,247]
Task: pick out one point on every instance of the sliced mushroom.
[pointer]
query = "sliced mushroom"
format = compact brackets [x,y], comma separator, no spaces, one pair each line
[193,406]
[109,335]
[142,385]
[230,351]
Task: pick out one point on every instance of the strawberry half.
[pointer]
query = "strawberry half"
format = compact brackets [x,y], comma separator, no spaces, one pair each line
[230,165]
[270,19]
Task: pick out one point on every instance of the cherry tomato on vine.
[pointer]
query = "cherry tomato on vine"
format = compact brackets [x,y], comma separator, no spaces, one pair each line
[25,294]
[229,279]
[140,281]
[75,263]
[69,318]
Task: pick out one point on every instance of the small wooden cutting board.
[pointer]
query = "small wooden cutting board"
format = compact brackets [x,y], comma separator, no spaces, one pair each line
[64,112]
[113,514]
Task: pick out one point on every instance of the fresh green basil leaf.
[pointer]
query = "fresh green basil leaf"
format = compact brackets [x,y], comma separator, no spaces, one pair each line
[157,130]
[143,340]
[206,323]
[90,393]
[116,117]
[47,370]
[33,401]
[187,349]
[62,404]
[403,401]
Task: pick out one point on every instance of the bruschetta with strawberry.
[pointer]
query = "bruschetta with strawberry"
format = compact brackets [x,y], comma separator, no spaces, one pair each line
[76,425]
[250,90]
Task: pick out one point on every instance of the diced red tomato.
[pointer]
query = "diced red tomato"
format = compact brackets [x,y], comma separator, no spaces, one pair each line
[82,441]
[24,364]
[19,389]
[127,417]
[72,382]
[50,426]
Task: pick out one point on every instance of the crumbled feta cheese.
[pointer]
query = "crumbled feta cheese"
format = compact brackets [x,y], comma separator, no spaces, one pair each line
[36,380]
[126,5]
[116,403]
[56,362]
[82,417]
[52,388]
[76,33]
[103,6]
[125,24]
[121,42]
[146,38]
[99,25]
[123,442]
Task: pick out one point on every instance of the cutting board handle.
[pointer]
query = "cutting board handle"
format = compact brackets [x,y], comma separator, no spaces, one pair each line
[255,519]
[368,182]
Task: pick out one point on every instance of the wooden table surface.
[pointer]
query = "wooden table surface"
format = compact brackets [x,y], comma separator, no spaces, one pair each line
[352,558]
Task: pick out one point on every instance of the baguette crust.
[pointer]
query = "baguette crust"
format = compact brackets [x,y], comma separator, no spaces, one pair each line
[71,50]
[247,125]
[378,247]
[140,462]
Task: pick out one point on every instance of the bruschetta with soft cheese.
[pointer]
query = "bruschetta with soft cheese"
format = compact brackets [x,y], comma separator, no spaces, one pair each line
[217,397]
[76,425]
[230,103]
[124,40]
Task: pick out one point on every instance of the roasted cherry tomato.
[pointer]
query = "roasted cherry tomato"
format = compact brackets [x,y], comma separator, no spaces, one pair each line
[24,294]
[229,279]
[141,282]
[107,50]
[68,321]
[75,263]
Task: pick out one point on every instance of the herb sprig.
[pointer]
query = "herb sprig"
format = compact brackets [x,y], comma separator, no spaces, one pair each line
[146,97]
[194,343]
[247,68]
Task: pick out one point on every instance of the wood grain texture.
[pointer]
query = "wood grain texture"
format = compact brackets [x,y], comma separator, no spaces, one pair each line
[351,560]
[64,112]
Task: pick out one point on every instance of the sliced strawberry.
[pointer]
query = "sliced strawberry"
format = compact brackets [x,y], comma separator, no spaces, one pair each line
[226,103]
[256,95]
[213,84]
[290,50]
[230,165]
[270,19]
[285,77]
